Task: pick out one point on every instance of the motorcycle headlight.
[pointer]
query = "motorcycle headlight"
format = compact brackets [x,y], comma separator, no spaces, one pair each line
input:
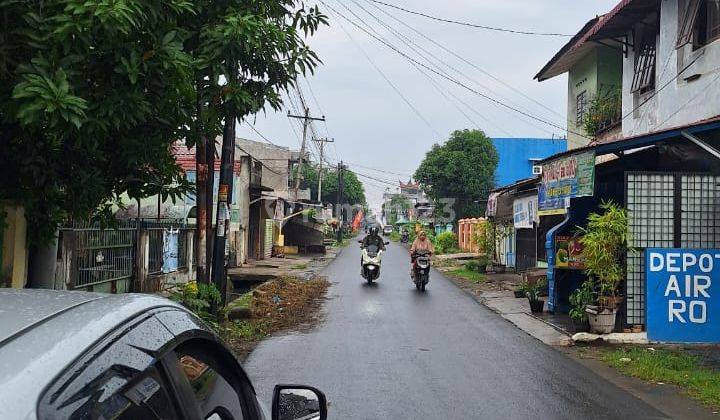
[371,267]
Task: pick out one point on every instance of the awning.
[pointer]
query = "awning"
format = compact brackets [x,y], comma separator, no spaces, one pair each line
[649,139]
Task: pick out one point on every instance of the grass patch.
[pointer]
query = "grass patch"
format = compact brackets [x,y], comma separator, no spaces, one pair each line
[246,330]
[300,266]
[470,275]
[671,367]
[242,301]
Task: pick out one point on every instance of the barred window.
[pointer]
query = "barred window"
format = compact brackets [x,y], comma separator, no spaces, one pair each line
[645,54]
[581,105]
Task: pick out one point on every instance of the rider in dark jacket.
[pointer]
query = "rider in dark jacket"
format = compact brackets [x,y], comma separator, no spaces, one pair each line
[373,238]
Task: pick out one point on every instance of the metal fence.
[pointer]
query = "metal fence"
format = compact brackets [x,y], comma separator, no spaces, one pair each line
[107,254]
[155,256]
[103,255]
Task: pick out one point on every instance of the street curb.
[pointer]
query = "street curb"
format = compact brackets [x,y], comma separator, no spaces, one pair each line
[483,301]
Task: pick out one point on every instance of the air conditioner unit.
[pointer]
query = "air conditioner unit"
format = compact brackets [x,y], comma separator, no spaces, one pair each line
[537,170]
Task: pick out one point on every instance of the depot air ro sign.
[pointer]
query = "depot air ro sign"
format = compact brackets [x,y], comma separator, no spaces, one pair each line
[683,295]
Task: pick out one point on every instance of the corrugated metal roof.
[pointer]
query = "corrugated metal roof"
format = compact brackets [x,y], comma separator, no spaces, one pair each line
[624,143]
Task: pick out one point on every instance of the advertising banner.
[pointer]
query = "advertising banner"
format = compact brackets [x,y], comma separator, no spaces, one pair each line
[565,178]
[568,252]
[524,212]
[683,295]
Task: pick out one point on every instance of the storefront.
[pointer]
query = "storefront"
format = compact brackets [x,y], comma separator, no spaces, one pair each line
[669,183]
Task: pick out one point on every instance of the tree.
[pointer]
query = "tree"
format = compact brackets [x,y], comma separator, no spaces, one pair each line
[93,94]
[399,205]
[354,190]
[462,170]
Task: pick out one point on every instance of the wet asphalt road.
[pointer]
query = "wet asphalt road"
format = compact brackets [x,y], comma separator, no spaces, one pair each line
[389,352]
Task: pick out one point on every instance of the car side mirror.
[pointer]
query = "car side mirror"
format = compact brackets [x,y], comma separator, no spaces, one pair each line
[298,402]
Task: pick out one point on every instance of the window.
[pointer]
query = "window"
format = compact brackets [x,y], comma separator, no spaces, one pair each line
[581,104]
[216,395]
[645,51]
[117,395]
[699,23]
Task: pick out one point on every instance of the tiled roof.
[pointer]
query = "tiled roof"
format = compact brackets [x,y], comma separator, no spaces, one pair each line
[185,157]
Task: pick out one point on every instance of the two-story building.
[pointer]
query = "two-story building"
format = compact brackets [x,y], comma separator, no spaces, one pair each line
[661,160]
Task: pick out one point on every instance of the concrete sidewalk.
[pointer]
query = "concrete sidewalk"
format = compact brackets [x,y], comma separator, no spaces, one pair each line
[517,311]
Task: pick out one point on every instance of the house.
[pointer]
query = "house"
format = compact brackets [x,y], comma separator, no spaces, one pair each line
[407,204]
[517,157]
[662,165]
[594,81]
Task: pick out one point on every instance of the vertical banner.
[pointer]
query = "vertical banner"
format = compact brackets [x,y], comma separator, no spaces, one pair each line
[683,295]
[170,250]
[565,178]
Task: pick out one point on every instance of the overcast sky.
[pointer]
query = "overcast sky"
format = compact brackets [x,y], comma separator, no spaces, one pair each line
[375,127]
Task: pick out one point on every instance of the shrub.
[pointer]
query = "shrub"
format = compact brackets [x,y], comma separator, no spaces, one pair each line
[204,300]
[605,242]
[445,242]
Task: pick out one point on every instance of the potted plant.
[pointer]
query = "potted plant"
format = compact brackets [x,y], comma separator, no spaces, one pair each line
[580,299]
[532,291]
[519,292]
[605,243]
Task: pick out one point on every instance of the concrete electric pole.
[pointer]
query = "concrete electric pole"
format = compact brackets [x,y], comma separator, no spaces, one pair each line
[306,121]
[321,143]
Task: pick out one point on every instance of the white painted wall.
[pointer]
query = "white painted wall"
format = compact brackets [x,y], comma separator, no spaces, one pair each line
[681,102]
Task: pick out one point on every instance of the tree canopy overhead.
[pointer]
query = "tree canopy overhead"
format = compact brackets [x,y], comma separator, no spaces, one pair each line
[93,94]
[461,170]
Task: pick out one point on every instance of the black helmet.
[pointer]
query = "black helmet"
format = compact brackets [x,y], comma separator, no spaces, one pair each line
[374,231]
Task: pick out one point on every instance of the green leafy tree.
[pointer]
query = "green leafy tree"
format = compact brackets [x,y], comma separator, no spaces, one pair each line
[462,170]
[93,94]
[354,190]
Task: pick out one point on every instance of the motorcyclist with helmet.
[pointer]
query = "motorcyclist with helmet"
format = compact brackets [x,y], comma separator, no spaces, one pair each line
[373,238]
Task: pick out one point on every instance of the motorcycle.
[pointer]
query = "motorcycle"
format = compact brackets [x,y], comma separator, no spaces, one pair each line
[404,237]
[371,260]
[422,269]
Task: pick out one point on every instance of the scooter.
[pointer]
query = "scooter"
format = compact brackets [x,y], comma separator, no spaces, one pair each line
[371,260]
[422,269]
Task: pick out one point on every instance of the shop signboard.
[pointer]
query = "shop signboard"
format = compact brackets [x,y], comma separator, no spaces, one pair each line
[568,252]
[525,212]
[565,178]
[683,295]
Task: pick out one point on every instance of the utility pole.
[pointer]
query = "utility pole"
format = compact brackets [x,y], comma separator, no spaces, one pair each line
[340,199]
[306,121]
[322,157]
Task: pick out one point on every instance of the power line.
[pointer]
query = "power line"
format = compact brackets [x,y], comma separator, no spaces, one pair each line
[455,81]
[372,63]
[419,52]
[489,28]
[260,134]
[466,61]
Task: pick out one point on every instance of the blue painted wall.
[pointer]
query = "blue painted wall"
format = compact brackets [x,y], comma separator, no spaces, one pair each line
[515,154]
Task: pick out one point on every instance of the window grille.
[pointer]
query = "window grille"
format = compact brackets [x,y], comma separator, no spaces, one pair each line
[644,77]
[581,104]
[650,206]
[666,210]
